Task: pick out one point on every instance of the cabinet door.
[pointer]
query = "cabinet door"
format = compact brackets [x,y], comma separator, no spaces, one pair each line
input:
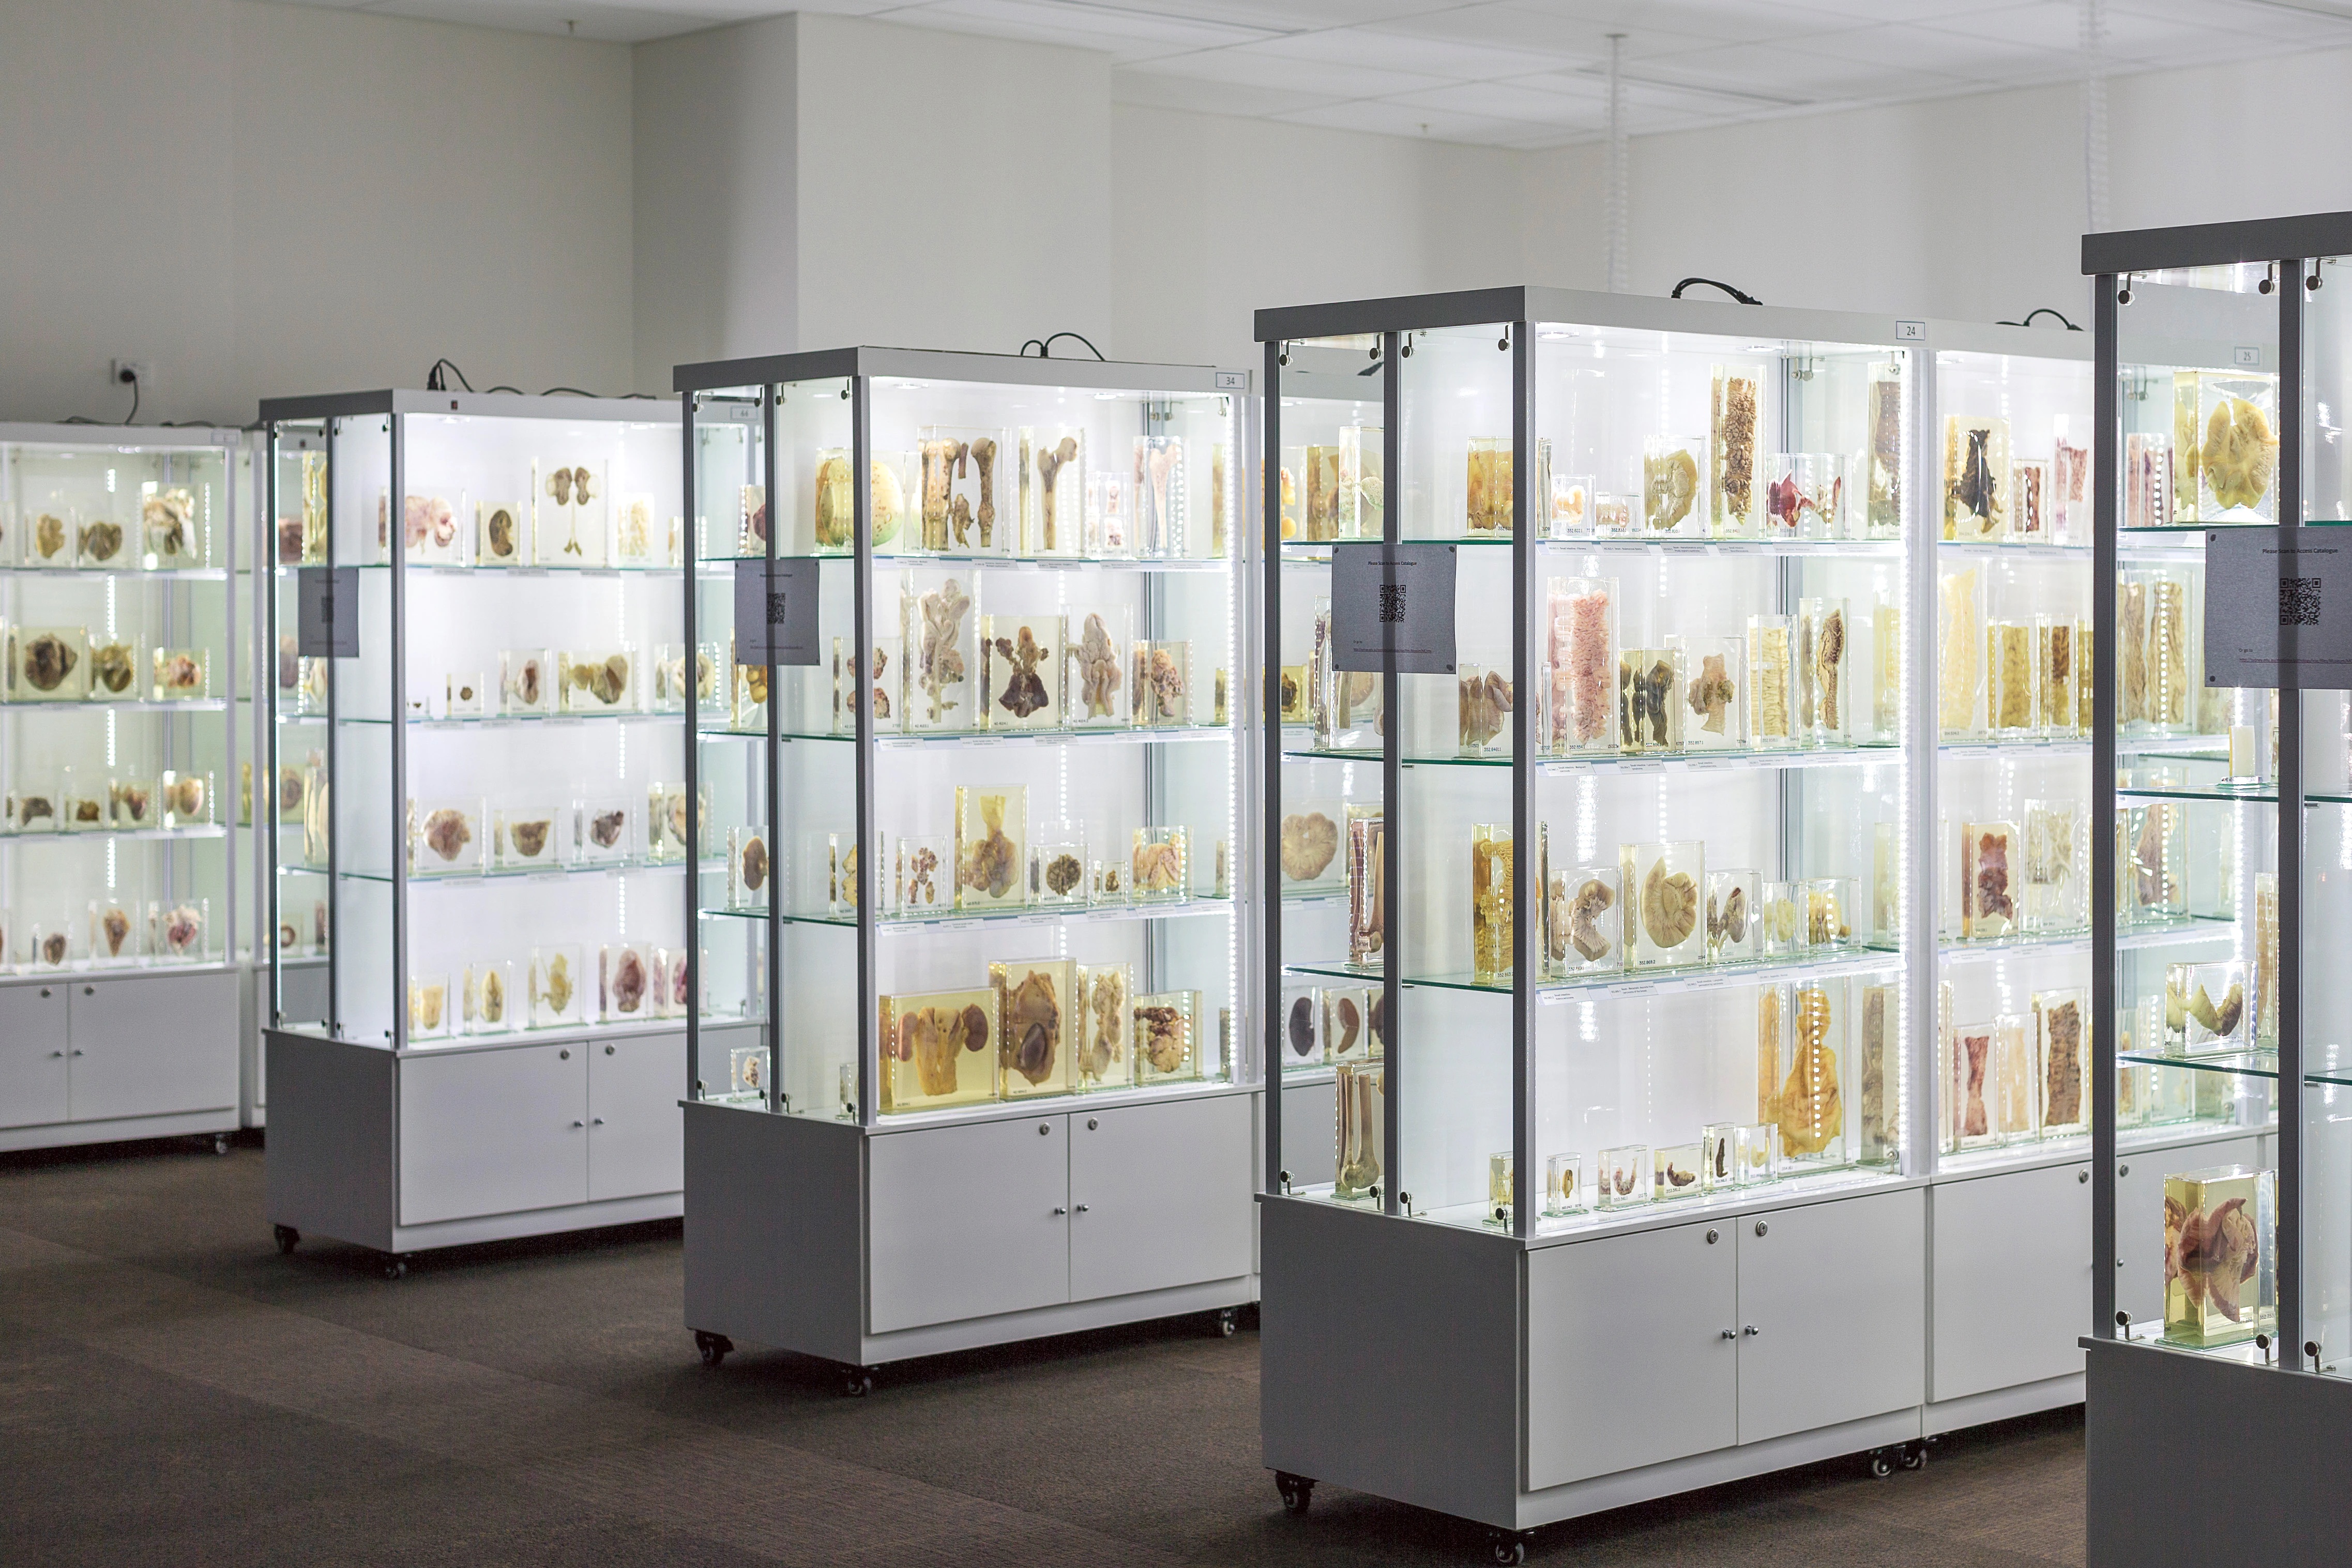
[1831,1296]
[493,1132]
[636,1134]
[964,1222]
[155,1045]
[2139,1215]
[33,1070]
[1160,1196]
[2013,1278]
[1629,1362]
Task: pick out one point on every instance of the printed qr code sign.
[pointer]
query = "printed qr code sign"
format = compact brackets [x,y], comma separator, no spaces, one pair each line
[2298,601]
[1393,601]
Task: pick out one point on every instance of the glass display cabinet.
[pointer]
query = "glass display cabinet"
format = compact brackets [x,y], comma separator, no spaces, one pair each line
[970,740]
[477,907]
[119,946]
[1677,1118]
[2221,831]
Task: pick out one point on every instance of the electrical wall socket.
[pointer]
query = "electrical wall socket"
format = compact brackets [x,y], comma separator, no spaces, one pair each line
[140,371]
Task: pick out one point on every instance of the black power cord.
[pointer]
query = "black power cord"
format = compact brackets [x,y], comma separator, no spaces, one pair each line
[1739,294]
[435,380]
[2044,310]
[1044,345]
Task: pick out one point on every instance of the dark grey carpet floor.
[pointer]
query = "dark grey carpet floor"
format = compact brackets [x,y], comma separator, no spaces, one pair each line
[171,1390]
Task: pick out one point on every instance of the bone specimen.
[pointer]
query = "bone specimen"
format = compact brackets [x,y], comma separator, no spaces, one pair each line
[447,832]
[1025,689]
[1033,1026]
[1975,1050]
[1711,693]
[989,865]
[48,660]
[983,458]
[935,1039]
[1097,661]
[1309,839]
[940,463]
[1105,1031]
[1734,448]
[530,838]
[1829,662]
[1669,906]
[2214,1255]
[2062,1088]
[1160,1036]
[111,668]
[498,530]
[49,535]
[1301,1026]
[100,541]
[628,982]
[2240,453]
[1669,484]
[1049,472]
[939,666]
[606,680]
[1485,701]
[1811,1113]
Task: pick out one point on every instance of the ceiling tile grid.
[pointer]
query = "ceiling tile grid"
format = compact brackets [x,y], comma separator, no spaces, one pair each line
[1524,73]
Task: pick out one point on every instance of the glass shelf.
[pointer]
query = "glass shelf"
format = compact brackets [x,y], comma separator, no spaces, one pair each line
[1026,915]
[460,568]
[1319,551]
[126,705]
[510,873]
[2015,549]
[495,721]
[1128,736]
[1641,982]
[1725,760]
[2048,746]
[212,831]
[2188,928]
[165,573]
[725,565]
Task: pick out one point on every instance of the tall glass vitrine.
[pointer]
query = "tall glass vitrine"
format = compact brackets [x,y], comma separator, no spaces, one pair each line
[478,903]
[970,744]
[119,877]
[2222,726]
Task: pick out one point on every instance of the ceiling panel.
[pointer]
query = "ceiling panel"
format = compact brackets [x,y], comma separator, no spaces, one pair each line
[1514,73]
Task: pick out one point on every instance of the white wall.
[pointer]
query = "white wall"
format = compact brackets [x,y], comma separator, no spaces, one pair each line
[1215,218]
[264,199]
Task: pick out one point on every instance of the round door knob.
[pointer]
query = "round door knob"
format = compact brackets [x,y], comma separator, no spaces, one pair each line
[1751,1331]
[599,1122]
[44,990]
[1710,1242]
[1082,1208]
[1043,1131]
[77,1053]
[57,1054]
[1092,1123]
[1058,1209]
[2123,1170]
[2081,1176]
[608,1050]
[1761,1229]
[1731,1333]
[90,990]
[575,1123]
[564,1055]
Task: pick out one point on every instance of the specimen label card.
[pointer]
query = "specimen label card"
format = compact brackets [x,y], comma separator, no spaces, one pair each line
[2278,608]
[780,597]
[1395,598]
[329,614]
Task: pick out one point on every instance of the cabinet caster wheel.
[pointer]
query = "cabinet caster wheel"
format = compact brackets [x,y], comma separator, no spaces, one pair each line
[713,1346]
[1225,1322]
[856,1382]
[1506,1547]
[394,1267]
[1915,1455]
[220,1143]
[1880,1465]
[287,1237]
[1298,1491]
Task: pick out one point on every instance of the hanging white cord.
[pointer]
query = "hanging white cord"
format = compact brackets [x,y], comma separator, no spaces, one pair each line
[1618,283]
[2095,116]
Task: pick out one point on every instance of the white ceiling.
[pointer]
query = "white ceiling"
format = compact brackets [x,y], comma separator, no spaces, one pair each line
[1523,73]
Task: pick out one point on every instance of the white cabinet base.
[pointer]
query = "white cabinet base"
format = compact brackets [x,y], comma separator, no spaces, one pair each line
[864,1247]
[103,1055]
[445,1148]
